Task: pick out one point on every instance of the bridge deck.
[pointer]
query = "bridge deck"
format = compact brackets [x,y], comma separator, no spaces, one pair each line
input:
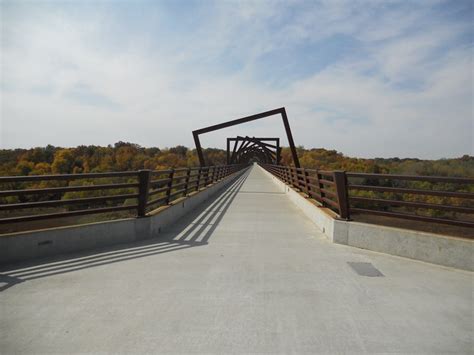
[248,273]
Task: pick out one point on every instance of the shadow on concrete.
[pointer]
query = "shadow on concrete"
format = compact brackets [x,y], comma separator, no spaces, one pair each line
[197,232]
[262,192]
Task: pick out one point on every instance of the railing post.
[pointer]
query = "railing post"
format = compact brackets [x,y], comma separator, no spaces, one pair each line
[213,179]
[320,186]
[198,181]
[206,181]
[209,175]
[294,178]
[186,183]
[144,177]
[170,186]
[305,179]
[298,180]
[340,179]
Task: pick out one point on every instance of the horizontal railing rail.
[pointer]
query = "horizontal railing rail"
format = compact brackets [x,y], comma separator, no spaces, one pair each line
[447,200]
[138,191]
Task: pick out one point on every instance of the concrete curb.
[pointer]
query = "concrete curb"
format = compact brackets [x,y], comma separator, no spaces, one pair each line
[54,241]
[432,248]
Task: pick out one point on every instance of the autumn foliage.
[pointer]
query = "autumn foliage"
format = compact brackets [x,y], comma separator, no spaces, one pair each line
[129,156]
[93,159]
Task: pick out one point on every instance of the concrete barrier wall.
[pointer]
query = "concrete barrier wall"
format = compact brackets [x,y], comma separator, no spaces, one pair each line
[53,241]
[428,247]
[432,248]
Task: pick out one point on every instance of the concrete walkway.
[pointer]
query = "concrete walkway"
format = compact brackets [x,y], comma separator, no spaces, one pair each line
[247,274]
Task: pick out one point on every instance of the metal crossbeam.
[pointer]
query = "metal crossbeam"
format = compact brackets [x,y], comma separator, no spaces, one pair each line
[244,147]
[279,111]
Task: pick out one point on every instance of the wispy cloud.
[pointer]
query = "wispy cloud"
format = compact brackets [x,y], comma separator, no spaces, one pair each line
[368,78]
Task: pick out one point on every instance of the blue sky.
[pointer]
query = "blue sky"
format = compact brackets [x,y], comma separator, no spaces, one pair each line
[368,78]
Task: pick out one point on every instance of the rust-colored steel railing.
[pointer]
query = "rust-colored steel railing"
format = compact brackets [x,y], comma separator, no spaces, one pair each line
[348,193]
[316,184]
[453,199]
[141,191]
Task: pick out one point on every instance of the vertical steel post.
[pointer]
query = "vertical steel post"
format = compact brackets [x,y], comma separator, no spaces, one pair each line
[305,181]
[198,181]
[213,178]
[199,149]
[321,186]
[290,138]
[206,181]
[170,186]
[294,173]
[186,186]
[340,179]
[144,177]
[278,151]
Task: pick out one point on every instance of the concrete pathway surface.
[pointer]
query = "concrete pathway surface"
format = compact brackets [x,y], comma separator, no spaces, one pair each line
[246,274]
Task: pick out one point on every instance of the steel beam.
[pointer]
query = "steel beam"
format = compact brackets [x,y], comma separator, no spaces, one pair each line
[281,111]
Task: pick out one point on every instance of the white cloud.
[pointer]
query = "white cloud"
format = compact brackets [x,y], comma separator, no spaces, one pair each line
[61,79]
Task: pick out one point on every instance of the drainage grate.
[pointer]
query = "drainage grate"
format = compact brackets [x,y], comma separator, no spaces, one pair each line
[365,269]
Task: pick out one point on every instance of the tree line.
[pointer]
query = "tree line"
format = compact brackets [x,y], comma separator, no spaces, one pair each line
[124,156]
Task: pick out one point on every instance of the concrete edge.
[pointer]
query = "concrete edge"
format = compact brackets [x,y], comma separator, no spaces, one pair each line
[428,247]
[21,246]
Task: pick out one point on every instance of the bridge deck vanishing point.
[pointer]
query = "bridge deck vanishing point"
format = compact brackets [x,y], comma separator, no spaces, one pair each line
[246,273]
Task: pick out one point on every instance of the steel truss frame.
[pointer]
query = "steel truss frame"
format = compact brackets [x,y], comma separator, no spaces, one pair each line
[279,111]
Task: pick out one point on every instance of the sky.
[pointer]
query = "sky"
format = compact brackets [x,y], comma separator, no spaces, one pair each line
[367,78]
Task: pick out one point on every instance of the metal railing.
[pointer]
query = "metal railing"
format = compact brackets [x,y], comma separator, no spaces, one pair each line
[141,191]
[343,192]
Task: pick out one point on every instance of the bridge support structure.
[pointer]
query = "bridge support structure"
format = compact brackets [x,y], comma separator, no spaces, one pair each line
[246,148]
[279,111]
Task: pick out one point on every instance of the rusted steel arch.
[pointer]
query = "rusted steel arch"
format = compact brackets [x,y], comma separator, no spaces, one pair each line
[255,153]
[271,157]
[246,142]
[267,146]
[272,152]
[247,148]
[245,156]
[279,111]
[260,141]
[250,147]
